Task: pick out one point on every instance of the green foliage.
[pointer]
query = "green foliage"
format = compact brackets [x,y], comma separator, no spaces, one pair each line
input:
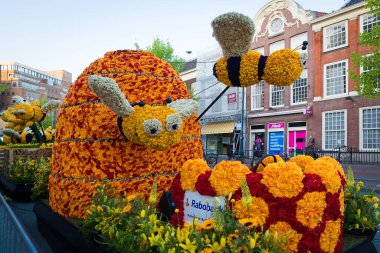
[369,80]
[361,206]
[165,51]
[193,95]
[3,87]
[48,121]
[130,224]
[23,171]
[41,179]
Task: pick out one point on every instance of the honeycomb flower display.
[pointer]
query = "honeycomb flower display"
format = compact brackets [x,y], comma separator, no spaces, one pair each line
[190,171]
[226,176]
[89,147]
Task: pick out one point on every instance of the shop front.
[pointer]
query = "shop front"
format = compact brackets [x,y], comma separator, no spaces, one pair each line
[218,137]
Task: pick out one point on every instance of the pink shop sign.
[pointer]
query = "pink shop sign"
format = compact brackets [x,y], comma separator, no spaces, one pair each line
[276,125]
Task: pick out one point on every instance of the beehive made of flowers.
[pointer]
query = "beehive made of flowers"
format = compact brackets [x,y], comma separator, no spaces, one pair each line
[89,148]
[303,199]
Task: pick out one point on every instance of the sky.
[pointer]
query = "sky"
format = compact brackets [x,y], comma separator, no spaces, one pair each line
[70,34]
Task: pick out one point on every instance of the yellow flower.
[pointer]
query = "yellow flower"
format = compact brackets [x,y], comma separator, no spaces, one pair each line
[365,219]
[142,213]
[284,230]
[375,199]
[330,236]
[232,239]
[358,212]
[226,176]
[283,179]
[356,225]
[252,243]
[99,208]
[127,208]
[190,171]
[207,224]
[242,249]
[310,209]
[302,160]
[207,250]
[328,173]
[257,212]
[375,205]
[189,246]
[176,210]
[131,198]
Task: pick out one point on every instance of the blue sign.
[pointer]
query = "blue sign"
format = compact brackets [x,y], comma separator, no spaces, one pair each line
[276,143]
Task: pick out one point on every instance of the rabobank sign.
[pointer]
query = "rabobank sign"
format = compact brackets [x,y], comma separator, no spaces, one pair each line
[200,206]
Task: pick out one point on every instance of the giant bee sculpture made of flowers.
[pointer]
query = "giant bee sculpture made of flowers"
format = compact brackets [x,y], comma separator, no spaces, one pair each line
[242,67]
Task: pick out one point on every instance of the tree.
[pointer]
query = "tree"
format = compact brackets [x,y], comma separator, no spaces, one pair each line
[369,76]
[3,87]
[165,51]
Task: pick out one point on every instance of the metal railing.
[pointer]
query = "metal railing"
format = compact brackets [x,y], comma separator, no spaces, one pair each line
[13,237]
[346,155]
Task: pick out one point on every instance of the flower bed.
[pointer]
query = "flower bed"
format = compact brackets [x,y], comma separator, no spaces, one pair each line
[26,173]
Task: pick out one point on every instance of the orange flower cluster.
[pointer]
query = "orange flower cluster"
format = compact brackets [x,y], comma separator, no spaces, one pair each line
[89,147]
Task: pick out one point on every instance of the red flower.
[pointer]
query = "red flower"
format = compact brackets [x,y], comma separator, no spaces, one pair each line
[313,182]
[332,211]
[203,185]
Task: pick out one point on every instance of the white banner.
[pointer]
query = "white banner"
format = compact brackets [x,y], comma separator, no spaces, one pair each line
[196,206]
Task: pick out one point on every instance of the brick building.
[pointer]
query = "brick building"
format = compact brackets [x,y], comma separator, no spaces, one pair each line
[277,115]
[341,117]
[31,83]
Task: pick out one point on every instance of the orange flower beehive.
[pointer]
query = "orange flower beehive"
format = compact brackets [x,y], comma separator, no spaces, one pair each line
[89,148]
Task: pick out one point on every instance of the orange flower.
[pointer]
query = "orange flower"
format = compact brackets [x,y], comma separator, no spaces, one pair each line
[127,208]
[226,177]
[190,171]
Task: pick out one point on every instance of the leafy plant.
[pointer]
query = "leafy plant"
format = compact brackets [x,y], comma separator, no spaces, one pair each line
[41,179]
[131,224]
[361,206]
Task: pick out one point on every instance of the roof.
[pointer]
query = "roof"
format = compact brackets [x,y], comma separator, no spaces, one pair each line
[192,64]
[351,2]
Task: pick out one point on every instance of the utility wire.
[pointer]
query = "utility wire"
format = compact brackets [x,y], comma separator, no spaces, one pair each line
[206,88]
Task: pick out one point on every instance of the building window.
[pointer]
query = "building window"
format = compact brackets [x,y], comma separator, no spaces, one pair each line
[335,76]
[334,124]
[370,128]
[299,89]
[277,96]
[257,92]
[297,41]
[369,21]
[276,46]
[335,36]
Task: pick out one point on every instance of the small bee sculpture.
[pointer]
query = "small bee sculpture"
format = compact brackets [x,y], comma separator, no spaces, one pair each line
[22,116]
[242,67]
[157,127]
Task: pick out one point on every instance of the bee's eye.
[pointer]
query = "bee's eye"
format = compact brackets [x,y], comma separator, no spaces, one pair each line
[173,122]
[152,127]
